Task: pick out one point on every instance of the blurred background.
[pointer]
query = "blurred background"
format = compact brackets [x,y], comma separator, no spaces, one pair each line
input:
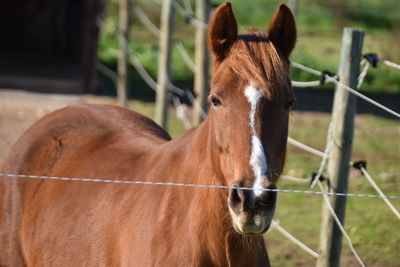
[56,53]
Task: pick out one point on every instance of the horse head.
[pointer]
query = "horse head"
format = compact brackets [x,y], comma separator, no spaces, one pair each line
[250,98]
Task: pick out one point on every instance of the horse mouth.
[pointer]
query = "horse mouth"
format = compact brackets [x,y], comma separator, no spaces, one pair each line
[251,230]
[256,225]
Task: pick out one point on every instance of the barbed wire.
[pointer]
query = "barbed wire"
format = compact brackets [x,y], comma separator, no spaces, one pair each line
[117,181]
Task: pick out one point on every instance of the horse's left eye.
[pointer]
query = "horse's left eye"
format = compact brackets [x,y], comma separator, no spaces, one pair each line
[215,101]
[289,104]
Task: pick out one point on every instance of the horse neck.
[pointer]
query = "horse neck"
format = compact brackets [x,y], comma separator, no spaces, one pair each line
[213,225]
[196,148]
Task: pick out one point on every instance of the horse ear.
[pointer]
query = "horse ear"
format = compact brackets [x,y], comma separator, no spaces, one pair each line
[282,30]
[222,31]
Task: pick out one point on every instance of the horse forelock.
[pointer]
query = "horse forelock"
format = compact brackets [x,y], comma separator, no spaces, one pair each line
[254,59]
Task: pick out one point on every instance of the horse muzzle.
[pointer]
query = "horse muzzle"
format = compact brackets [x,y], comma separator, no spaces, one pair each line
[251,214]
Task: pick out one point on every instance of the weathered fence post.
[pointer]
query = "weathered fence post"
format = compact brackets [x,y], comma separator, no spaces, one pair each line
[201,76]
[344,108]
[164,63]
[123,35]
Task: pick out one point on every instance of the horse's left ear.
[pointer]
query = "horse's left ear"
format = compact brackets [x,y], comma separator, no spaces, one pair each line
[282,30]
[222,31]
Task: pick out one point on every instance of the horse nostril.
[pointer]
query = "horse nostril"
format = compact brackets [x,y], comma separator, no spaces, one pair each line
[268,198]
[236,198]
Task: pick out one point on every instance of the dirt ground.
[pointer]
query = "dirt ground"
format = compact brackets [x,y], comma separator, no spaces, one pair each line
[19,110]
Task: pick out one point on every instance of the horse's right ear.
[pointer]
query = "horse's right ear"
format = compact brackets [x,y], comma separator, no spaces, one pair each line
[282,30]
[222,31]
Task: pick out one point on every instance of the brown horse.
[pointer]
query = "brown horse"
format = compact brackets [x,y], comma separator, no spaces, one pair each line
[242,142]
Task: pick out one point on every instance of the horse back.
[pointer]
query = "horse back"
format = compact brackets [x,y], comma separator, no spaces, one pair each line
[80,129]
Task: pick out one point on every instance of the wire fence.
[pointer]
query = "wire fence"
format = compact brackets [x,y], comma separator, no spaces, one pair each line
[351,90]
[181,112]
[114,180]
[324,77]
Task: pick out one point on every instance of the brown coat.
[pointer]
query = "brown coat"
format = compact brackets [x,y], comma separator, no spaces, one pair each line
[64,223]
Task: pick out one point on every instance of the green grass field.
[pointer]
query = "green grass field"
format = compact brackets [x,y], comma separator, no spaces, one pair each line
[320,25]
[371,225]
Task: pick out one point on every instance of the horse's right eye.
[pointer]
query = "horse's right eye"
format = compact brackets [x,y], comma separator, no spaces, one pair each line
[215,101]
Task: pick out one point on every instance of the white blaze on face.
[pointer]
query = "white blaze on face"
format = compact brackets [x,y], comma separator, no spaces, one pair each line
[258,161]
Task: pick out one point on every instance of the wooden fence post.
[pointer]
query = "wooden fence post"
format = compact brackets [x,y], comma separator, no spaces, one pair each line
[123,34]
[201,76]
[343,112]
[164,63]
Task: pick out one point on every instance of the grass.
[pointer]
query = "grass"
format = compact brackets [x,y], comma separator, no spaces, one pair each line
[319,26]
[369,222]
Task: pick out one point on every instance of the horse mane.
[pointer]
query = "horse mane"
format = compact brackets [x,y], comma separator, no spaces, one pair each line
[253,57]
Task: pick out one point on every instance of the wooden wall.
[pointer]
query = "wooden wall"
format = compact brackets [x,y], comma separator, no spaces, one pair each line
[49,39]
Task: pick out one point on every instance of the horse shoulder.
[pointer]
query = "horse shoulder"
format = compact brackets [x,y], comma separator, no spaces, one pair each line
[70,136]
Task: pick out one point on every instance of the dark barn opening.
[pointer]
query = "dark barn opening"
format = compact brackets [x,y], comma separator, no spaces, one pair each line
[49,45]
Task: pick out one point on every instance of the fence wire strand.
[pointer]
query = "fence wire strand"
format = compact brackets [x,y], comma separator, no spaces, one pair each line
[187,14]
[145,20]
[391,64]
[276,225]
[188,6]
[295,179]
[107,72]
[181,112]
[325,158]
[339,224]
[377,189]
[153,29]
[185,55]
[305,147]
[137,182]
[363,73]
[351,90]
[306,84]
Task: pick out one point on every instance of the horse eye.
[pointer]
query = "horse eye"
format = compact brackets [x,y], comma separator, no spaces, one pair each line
[289,104]
[215,101]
